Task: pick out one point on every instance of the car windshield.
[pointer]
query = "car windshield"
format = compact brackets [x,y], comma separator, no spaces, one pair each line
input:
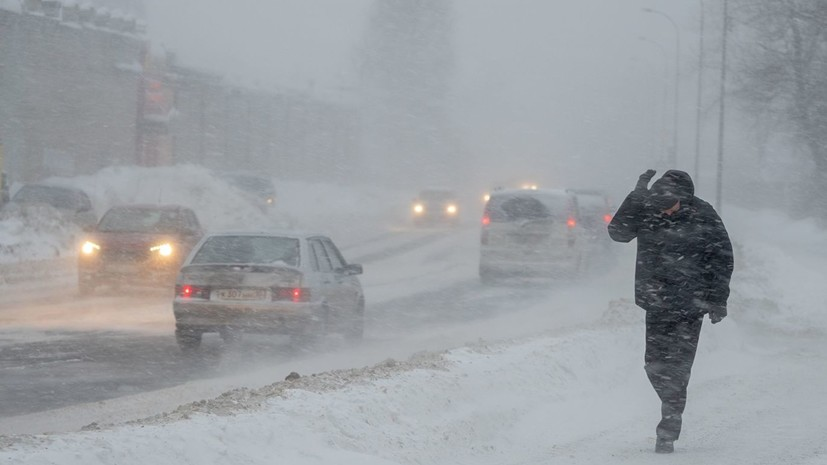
[592,204]
[249,249]
[58,197]
[437,196]
[524,207]
[140,220]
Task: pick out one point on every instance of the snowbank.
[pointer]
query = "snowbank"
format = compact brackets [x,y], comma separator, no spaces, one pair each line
[340,211]
[576,397]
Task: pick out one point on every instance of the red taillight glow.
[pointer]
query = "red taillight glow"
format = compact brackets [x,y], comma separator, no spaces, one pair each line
[293,294]
[188,291]
[486,220]
[607,218]
[571,222]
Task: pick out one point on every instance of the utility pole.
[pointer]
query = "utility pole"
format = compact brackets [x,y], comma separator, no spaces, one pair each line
[719,187]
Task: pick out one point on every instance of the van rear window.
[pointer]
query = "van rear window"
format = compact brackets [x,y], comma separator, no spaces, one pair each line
[524,208]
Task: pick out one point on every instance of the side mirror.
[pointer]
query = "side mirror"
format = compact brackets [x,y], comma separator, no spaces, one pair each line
[351,269]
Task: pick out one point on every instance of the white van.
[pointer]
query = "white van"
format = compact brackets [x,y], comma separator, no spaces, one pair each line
[531,233]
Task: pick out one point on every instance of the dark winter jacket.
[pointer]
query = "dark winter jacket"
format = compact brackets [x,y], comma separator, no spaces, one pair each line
[684,261]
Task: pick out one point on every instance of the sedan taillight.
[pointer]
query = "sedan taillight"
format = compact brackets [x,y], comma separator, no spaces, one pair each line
[188,291]
[293,294]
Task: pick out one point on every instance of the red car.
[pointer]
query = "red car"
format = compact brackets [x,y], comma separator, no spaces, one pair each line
[137,244]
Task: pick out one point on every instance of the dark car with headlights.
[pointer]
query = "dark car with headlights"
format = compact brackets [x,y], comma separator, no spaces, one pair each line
[71,203]
[255,188]
[266,282]
[435,207]
[137,244]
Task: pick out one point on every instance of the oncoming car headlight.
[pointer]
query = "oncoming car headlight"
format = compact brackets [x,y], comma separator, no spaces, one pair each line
[419,208]
[88,248]
[164,250]
[451,209]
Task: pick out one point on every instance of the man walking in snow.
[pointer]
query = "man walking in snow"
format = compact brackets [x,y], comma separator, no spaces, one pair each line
[684,264]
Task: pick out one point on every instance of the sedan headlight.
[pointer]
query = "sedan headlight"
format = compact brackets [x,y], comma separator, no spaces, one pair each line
[451,209]
[164,250]
[419,208]
[88,248]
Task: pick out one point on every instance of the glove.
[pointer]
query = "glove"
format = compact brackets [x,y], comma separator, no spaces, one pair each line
[643,180]
[717,313]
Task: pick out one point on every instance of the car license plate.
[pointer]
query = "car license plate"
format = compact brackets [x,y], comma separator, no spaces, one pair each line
[254,294]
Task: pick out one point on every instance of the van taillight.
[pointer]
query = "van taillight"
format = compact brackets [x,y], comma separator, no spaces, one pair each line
[486,220]
[293,294]
[607,218]
[571,222]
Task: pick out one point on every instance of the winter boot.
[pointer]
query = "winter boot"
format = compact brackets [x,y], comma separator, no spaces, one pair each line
[664,446]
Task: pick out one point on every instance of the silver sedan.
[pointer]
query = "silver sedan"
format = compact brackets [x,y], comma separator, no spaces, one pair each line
[294,284]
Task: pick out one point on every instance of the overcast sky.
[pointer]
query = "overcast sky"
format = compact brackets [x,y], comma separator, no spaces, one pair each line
[565,90]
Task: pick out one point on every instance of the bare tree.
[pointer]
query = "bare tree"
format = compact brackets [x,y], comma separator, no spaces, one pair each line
[784,70]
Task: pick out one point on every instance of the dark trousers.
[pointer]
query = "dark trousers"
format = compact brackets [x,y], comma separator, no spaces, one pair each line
[670,351]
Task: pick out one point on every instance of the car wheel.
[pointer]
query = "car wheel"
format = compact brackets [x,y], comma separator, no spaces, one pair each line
[356,328]
[230,335]
[487,277]
[303,341]
[189,340]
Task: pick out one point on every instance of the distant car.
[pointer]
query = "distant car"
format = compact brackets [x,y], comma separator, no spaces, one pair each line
[294,284]
[73,204]
[596,212]
[435,206]
[530,233]
[258,190]
[137,245]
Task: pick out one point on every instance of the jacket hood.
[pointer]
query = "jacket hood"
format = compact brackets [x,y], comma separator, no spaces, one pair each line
[673,186]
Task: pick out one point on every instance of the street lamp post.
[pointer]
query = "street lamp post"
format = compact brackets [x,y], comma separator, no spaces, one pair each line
[719,183]
[697,171]
[663,129]
[673,156]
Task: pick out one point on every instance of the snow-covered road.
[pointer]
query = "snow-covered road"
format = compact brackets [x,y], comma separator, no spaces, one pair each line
[455,373]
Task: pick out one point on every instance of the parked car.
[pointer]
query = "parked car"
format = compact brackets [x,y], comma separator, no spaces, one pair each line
[530,233]
[435,207]
[258,190]
[137,245]
[73,204]
[294,284]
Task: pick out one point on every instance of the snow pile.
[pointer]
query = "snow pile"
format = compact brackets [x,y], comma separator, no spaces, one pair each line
[35,232]
[435,408]
[779,271]
[337,210]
